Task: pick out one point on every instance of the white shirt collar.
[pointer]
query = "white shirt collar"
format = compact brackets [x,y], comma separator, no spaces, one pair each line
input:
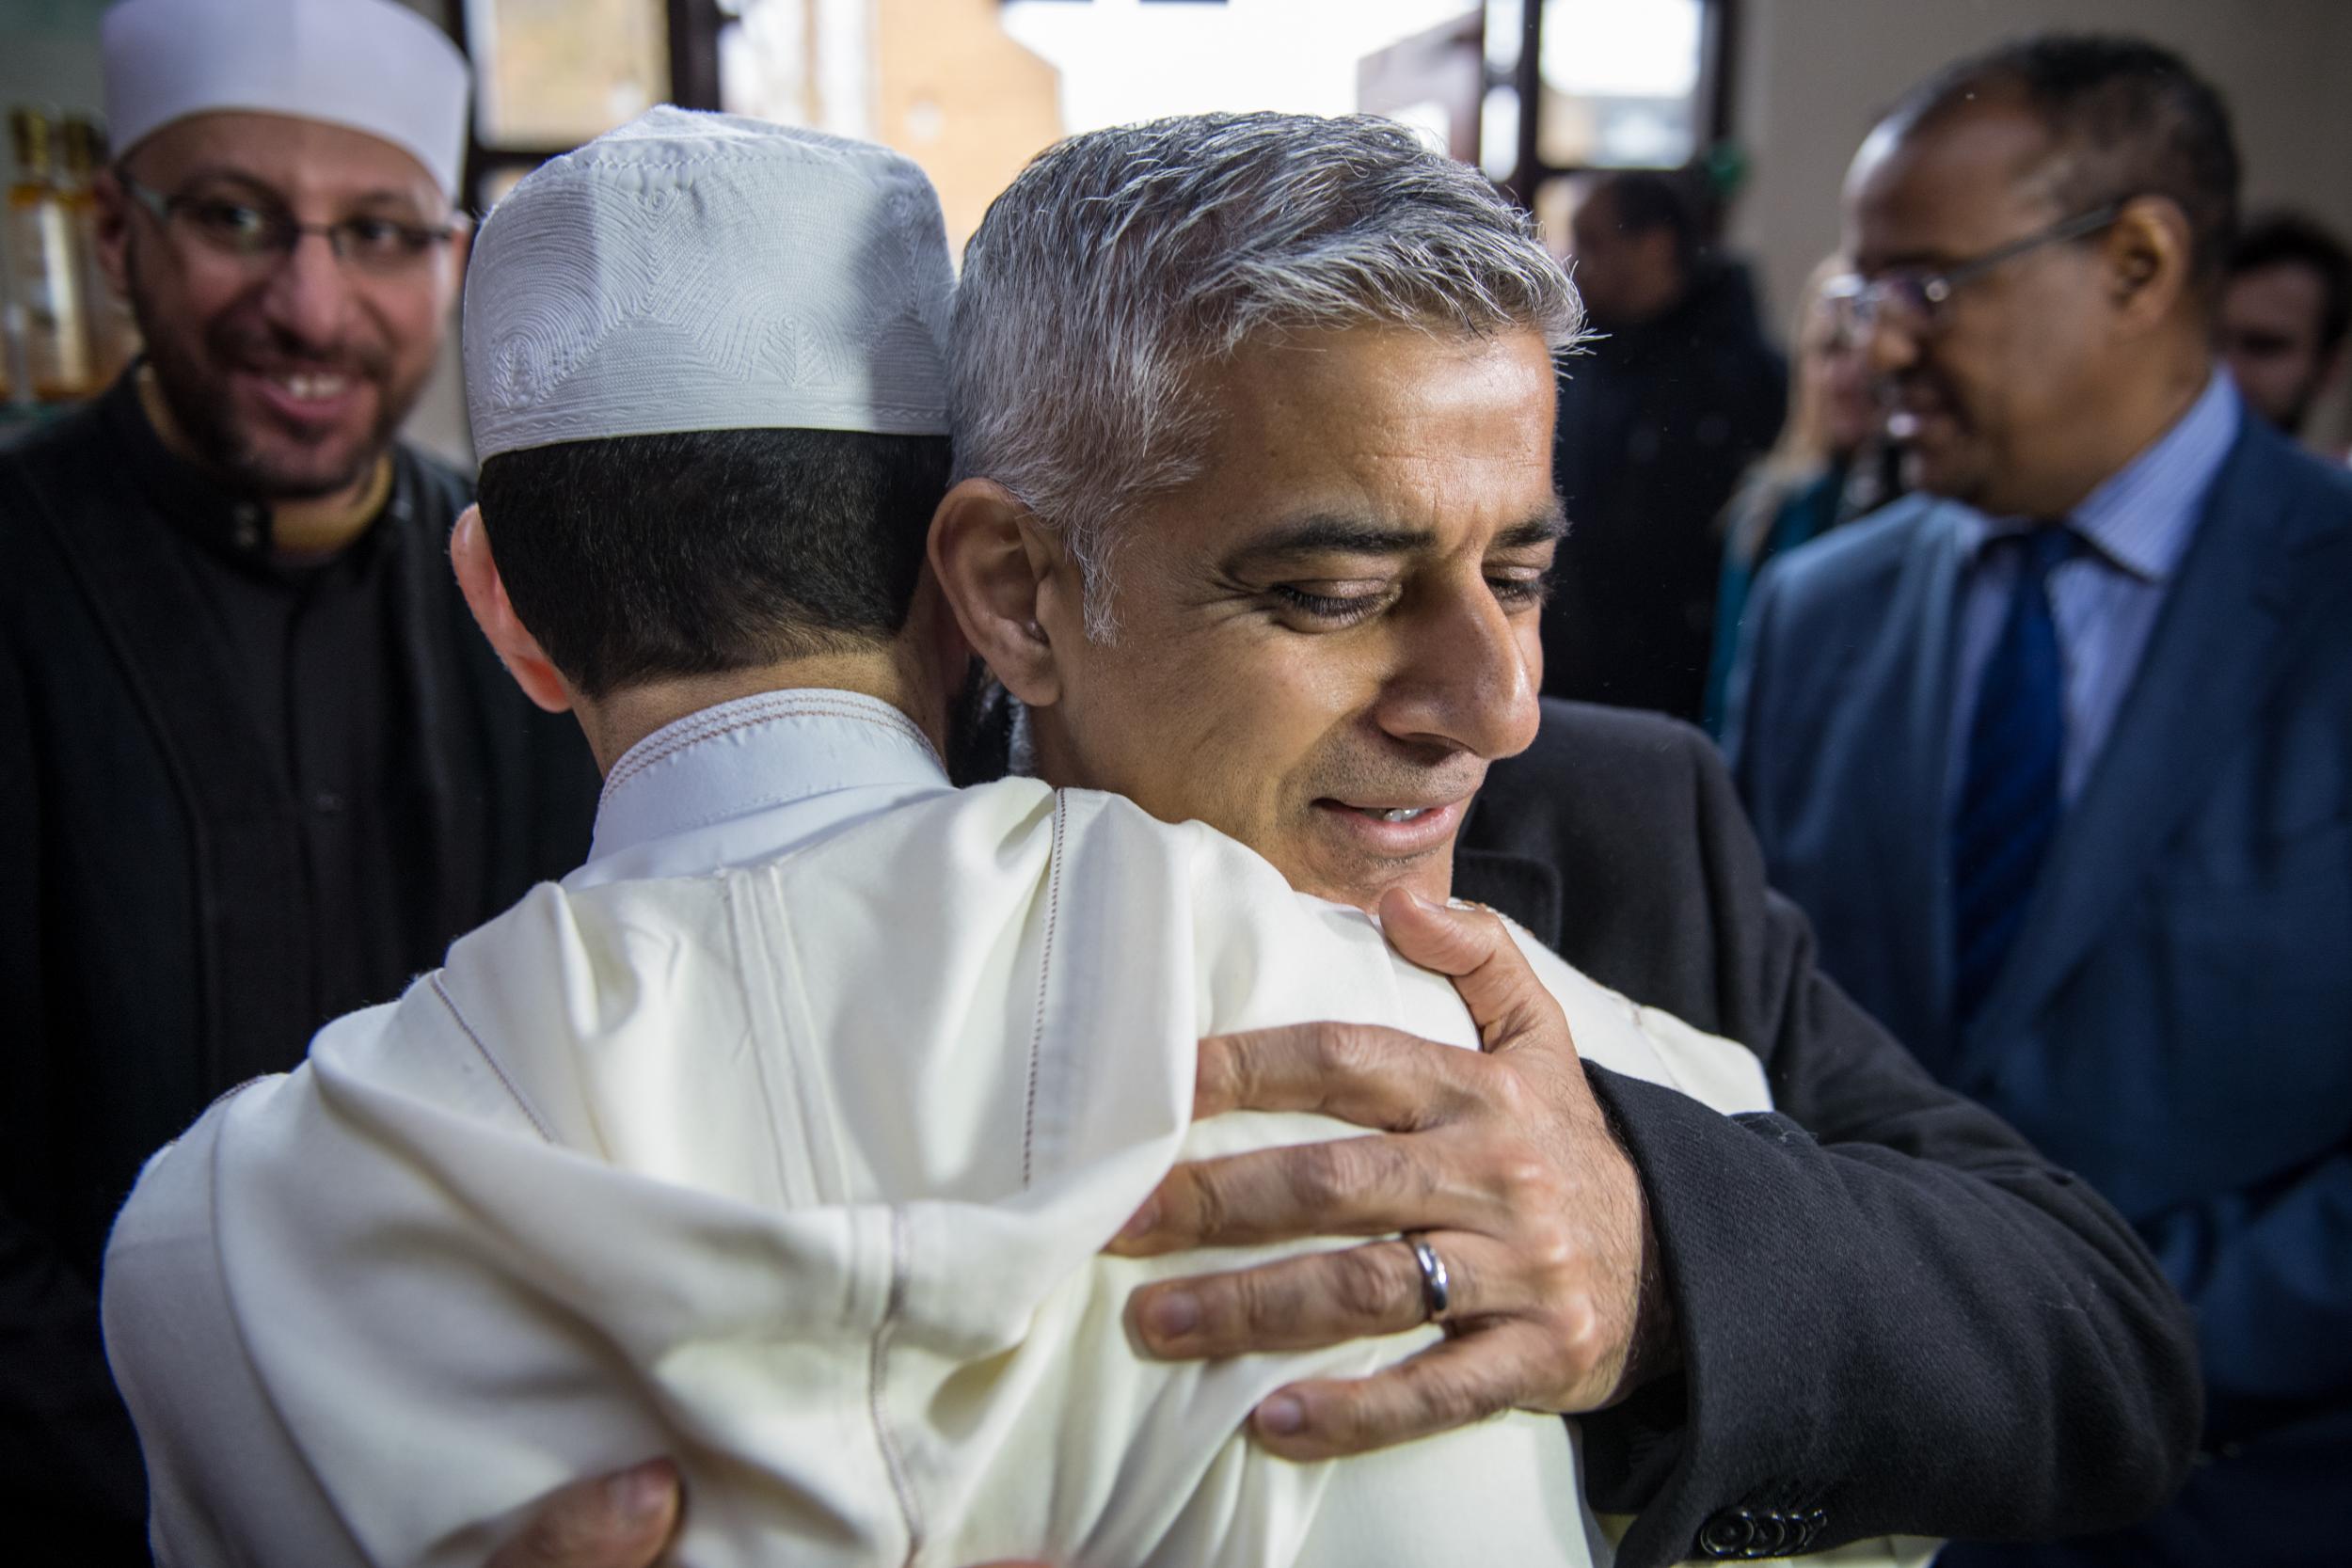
[755,755]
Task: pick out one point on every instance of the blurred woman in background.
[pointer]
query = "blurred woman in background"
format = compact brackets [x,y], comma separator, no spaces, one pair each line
[1830,465]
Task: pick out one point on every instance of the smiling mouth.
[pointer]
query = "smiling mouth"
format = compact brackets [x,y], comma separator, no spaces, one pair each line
[310,385]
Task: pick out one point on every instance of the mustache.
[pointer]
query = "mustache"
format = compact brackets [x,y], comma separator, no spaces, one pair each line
[262,344]
[1392,780]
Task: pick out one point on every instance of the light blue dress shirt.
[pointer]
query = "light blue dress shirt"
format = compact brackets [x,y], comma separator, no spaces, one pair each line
[2137,526]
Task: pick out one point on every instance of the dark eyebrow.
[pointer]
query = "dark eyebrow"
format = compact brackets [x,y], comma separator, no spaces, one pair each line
[1327,534]
[1549,528]
[1334,533]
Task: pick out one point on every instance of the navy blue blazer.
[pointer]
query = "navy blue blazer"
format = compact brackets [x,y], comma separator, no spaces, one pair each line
[2175,1020]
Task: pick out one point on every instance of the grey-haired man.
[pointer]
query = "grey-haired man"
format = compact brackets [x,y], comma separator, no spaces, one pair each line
[1251,520]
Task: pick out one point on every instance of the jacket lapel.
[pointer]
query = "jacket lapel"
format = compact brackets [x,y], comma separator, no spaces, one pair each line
[2230,627]
[1919,768]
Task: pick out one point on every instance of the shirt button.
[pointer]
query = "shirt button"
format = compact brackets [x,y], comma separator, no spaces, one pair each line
[327,804]
[246,526]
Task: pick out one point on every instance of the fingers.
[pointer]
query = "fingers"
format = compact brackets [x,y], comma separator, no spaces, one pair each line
[1360,1072]
[623,1520]
[1323,1298]
[1369,1186]
[1451,1385]
[1475,948]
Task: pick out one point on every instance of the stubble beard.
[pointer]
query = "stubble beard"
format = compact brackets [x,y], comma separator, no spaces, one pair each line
[195,391]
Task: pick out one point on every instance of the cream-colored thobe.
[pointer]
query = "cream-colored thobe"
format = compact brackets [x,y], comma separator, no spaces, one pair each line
[782,1138]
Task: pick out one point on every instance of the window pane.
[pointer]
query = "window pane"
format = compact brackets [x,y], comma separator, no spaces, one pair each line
[555,73]
[1621,81]
[800,62]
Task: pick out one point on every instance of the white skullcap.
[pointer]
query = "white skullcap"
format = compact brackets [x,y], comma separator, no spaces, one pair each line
[372,65]
[704,272]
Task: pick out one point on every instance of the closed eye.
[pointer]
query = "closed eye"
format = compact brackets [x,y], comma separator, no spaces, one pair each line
[1522,593]
[1331,609]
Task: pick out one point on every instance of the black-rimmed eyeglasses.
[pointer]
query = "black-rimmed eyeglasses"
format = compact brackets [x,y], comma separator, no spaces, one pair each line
[251,232]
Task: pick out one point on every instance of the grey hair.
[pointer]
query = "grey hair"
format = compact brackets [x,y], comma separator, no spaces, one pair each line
[1121,261]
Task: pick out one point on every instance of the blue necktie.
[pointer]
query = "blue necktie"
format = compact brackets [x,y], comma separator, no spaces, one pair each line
[2009,796]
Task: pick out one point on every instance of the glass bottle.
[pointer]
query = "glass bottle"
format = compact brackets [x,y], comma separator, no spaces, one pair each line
[41,258]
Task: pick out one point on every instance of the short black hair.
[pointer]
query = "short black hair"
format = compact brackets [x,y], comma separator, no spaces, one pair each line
[2293,239]
[639,558]
[1643,201]
[2126,117]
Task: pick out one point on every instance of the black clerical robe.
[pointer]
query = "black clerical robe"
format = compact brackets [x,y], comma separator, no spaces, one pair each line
[237,797]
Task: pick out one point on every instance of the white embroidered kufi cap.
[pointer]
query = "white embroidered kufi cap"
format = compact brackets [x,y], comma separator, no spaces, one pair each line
[372,65]
[704,272]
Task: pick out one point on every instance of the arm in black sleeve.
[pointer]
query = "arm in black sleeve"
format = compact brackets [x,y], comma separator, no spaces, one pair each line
[1892,1310]
[67,1454]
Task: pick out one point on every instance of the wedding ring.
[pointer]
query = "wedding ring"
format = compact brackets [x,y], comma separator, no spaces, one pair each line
[1435,1291]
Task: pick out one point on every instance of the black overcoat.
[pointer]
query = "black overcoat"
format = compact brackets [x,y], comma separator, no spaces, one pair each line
[1894,1314]
[153,943]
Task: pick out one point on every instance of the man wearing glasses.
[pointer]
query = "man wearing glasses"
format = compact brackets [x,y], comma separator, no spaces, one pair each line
[2057,754]
[256,765]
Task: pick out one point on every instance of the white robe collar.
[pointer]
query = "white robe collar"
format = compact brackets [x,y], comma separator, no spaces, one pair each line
[712,789]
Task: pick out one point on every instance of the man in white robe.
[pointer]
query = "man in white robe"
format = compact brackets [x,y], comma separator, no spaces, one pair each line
[783,1138]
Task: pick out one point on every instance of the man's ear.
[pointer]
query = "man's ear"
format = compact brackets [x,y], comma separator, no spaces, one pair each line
[454,260]
[997,566]
[486,595]
[2147,254]
[111,207]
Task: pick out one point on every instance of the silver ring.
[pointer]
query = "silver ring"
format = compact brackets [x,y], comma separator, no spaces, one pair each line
[1435,1287]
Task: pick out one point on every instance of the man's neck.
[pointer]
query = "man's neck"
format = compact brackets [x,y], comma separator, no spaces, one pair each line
[2157,401]
[312,526]
[888,673]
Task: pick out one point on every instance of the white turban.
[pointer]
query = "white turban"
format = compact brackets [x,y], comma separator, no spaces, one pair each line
[704,272]
[372,65]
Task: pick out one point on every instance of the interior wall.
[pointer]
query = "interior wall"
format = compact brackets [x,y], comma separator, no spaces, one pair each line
[1813,74]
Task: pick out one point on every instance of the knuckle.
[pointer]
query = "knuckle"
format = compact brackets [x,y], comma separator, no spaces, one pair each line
[1581,1339]
[1528,1185]
[1258,1302]
[1195,1199]
[1506,1095]
[1346,1048]
[1365,1284]
[1329,1175]
[1546,1245]
[1221,1071]
[1488,927]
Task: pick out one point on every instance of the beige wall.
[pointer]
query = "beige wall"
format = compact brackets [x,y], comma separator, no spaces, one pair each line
[1813,73]
[962,99]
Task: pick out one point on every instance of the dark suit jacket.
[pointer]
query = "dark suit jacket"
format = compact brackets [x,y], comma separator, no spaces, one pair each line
[1892,1310]
[2175,1020]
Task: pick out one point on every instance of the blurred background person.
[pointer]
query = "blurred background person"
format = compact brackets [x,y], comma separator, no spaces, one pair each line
[1828,468]
[2070,806]
[2284,314]
[257,767]
[1658,420]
